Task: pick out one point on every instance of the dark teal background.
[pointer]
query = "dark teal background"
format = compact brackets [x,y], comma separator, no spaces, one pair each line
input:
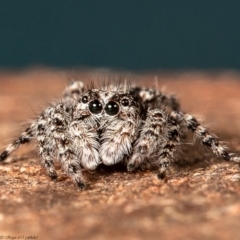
[134,35]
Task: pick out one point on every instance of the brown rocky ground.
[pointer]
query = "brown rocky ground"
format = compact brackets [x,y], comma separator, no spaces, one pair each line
[199,201]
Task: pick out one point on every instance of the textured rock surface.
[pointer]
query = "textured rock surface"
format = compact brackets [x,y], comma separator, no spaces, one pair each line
[199,201]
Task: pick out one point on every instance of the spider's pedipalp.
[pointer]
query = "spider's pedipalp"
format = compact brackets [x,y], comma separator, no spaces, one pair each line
[85,143]
[119,129]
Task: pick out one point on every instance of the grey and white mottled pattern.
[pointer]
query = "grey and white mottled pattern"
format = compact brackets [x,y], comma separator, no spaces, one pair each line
[111,124]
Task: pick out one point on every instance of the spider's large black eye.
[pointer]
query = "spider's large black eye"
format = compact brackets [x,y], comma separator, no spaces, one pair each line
[84,99]
[95,106]
[125,102]
[112,108]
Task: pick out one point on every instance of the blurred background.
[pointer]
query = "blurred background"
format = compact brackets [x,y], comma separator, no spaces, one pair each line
[121,34]
[187,47]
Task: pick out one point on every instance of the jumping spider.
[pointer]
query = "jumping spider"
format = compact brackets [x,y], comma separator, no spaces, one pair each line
[111,124]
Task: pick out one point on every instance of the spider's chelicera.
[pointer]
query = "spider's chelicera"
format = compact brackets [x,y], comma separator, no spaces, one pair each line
[112,124]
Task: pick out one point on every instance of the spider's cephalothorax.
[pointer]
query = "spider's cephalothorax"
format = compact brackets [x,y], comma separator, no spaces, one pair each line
[112,124]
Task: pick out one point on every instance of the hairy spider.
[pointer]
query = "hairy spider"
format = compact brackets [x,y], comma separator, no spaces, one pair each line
[111,124]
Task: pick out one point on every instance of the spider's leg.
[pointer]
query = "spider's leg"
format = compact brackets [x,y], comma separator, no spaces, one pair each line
[168,151]
[167,100]
[69,161]
[158,142]
[151,136]
[63,145]
[206,138]
[152,98]
[72,92]
[45,142]
[25,137]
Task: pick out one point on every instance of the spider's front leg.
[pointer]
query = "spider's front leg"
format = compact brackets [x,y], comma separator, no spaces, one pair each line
[71,142]
[54,141]
[45,142]
[158,142]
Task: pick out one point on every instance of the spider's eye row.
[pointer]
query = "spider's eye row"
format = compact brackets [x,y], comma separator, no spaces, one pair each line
[112,108]
[84,99]
[125,102]
[95,106]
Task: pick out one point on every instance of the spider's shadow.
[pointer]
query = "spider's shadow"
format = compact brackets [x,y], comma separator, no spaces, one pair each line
[196,156]
[105,171]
